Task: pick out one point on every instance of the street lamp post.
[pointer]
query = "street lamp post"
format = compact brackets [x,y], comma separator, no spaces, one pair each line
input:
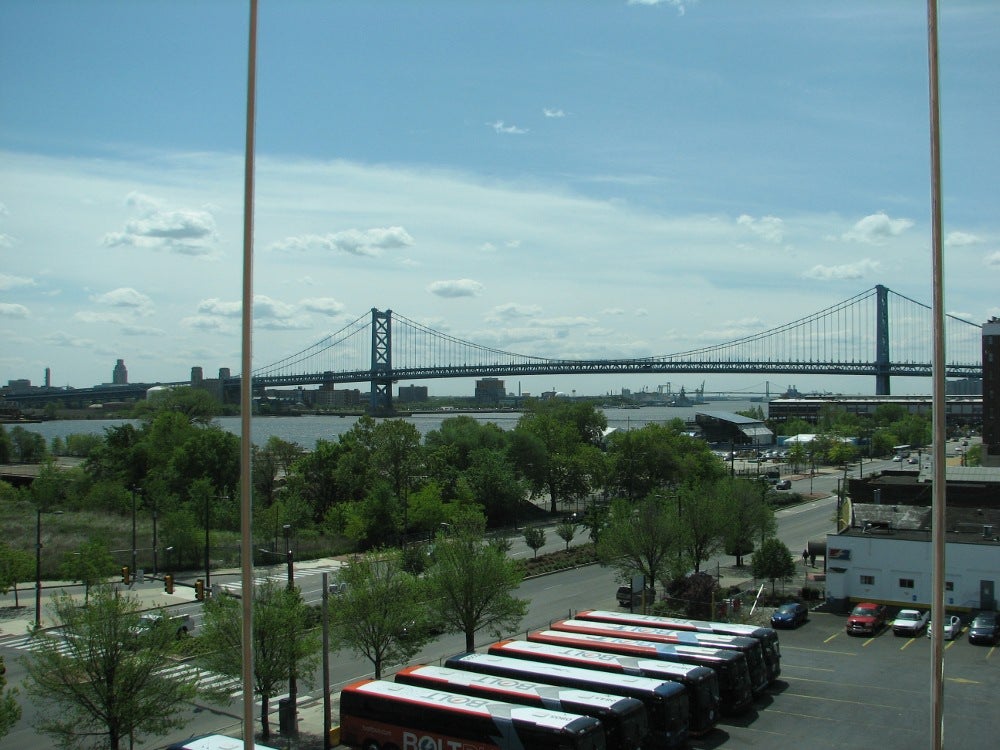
[133,568]
[154,538]
[38,566]
[292,682]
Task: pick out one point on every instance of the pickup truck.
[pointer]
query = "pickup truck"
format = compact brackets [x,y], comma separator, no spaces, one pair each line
[910,622]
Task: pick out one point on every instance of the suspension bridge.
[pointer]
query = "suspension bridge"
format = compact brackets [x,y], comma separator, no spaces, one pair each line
[878,333]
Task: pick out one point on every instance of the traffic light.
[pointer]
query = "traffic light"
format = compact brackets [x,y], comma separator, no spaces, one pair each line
[126,578]
[168,583]
[199,590]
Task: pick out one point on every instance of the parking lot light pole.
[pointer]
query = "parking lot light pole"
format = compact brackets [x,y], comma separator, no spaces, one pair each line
[133,568]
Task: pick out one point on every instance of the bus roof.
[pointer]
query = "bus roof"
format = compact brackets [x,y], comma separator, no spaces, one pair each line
[541,670]
[634,647]
[521,687]
[660,635]
[707,626]
[577,655]
[465,703]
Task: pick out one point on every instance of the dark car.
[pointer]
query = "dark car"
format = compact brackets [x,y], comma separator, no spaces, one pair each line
[866,618]
[985,628]
[789,615]
[784,484]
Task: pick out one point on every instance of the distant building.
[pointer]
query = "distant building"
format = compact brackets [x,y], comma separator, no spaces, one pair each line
[959,410]
[409,394]
[490,390]
[991,393]
[327,396]
[119,376]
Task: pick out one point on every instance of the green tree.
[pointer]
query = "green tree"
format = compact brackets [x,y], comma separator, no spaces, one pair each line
[748,517]
[382,614]
[6,446]
[10,711]
[28,447]
[473,581]
[534,537]
[566,531]
[492,480]
[773,561]
[15,566]
[91,564]
[281,639]
[643,539]
[196,405]
[704,509]
[94,685]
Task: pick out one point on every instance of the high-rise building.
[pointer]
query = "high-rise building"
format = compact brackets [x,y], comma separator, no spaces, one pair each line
[120,374]
[991,393]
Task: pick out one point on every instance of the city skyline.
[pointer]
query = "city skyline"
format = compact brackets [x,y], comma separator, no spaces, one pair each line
[619,179]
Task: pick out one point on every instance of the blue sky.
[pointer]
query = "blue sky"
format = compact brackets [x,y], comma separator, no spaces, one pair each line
[564,179]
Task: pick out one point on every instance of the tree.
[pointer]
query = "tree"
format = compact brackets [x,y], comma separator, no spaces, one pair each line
[748,517]
[91,564]
[473,581]
[566,531]
[281,638]
[703,511]
[773,561]
[382,615]
[196,405]
[15,566]
[643,539]
[534,537]
[102,683]
[10,711]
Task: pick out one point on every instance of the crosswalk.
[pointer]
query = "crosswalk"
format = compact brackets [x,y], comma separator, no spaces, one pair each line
[280,576]
[180,672]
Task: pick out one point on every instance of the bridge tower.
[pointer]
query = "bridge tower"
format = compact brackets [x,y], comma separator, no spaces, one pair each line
[381,383]
[882,387]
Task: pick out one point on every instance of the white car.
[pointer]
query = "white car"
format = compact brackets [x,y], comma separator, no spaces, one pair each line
[952,627]
[910,622]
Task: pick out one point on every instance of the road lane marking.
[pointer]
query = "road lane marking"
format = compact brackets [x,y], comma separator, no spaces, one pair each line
[817,650]
[963,681]
[909,643]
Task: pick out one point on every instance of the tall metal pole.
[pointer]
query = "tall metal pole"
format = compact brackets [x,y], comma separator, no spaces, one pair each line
[246,392]
[292,682]
[38,567]
[154,537]
[938,500]
[327,714]
[208,580]
[133,535]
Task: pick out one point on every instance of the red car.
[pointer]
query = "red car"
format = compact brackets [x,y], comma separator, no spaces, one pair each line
[866,619]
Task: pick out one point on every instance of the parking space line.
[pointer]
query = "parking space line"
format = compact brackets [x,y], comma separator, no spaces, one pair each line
[908,643]
[831,637]
[817,650]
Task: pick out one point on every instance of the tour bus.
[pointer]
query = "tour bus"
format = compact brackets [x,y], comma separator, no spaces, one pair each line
[624,719]
[214,742]
[669,705]
[377,715]
[768,637]
[735,692]
[747,646]
[560,663]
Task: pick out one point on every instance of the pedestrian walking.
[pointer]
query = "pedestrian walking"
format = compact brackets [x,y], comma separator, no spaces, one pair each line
[805,555]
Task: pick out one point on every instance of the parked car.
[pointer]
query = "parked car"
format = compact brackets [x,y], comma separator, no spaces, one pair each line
[790,615]
[910,622]
[634,597]
[985,628]
[784,484]
[866,618]
[952,627]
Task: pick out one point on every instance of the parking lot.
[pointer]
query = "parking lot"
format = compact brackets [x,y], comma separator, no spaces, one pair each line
[841,691]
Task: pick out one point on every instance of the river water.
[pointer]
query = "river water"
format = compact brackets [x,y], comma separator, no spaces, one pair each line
[306,430]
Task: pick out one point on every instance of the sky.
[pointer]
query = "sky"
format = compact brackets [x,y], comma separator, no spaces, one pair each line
[567,179]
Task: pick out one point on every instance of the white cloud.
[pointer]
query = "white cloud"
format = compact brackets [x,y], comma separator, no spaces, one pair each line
[876,229]
[857,270]
[961,239]
[992,260]
[680,5]
[612,311]
[513,311]
[500,126]
[369,242]
[205,323]
[218,308]
[12,310]
[323,305]
[179,231]
[456,288]
[769,228]
[555,113]
[126,297]
[61,338]
[8,282]
[88,316]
